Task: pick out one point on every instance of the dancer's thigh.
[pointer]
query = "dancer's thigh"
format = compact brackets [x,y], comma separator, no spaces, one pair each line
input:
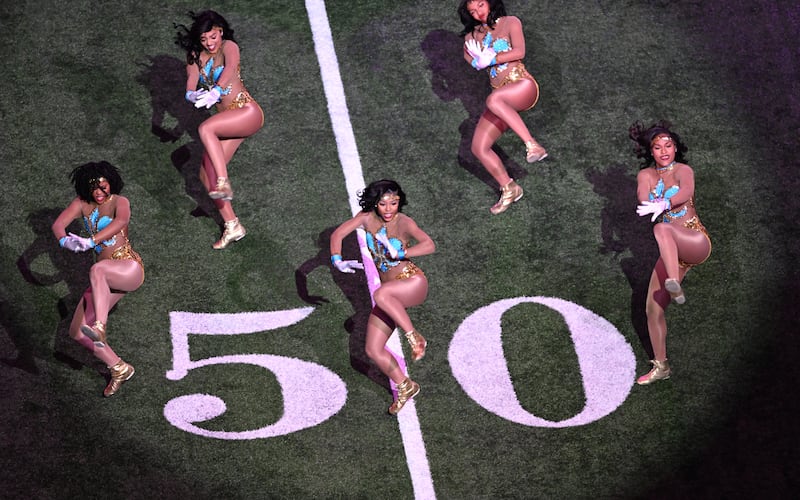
[123,275]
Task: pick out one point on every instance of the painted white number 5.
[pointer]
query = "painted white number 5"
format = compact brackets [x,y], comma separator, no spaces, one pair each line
[311,392]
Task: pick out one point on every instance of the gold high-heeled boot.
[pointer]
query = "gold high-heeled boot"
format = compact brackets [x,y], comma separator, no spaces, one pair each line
[509,194]
[675,290]
[120,372]
[96,332]
[406,390]
[534,152]
[417,343]
[233,232]
[223,190]
[660,371]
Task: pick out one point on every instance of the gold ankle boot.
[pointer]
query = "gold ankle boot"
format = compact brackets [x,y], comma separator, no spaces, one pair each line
[120,372]
[675,290]
[223,191]
[509,194]
[406,390]
[417,343]
[233,232]
[660,371]
[534,152]
[96,332]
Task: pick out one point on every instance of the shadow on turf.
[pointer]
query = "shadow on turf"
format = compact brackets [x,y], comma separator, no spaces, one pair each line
[354,287]
[622,230]
[72,269]
[452,79]
[165,79]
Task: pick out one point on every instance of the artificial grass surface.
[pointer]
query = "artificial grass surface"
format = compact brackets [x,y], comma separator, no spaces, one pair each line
[104,82]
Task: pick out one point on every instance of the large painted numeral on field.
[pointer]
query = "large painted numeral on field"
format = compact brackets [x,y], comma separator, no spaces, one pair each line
[606,361]
[311,392]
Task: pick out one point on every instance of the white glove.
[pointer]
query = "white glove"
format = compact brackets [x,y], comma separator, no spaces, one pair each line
[384,240]
[473,48]
[486,58]
[208,99]
[348,266]
[652,207]
[76,244]
[193,95]
[482,57]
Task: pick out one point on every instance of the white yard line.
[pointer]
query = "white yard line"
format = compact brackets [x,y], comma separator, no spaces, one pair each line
[414,445]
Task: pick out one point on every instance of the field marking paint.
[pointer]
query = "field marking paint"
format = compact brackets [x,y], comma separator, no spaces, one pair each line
[605,358]
[416,457]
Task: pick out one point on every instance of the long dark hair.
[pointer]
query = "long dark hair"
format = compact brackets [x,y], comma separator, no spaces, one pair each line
[369,197]
[643,137]
[86,178]
[189,38]
[496,11]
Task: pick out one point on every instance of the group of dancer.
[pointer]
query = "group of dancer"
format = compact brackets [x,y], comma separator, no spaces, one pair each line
[494,42]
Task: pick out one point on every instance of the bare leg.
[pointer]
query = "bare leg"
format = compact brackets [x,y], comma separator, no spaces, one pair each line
[507,101]
[675,241]
[123,275]
[209,177]
[395,296]
[487,131]
[84,314]
[228,124]
[378,334]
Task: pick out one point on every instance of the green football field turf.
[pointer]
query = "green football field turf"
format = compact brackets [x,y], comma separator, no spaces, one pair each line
[534,317]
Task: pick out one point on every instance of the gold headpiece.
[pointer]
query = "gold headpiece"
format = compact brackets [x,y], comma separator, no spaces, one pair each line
[390,196]
[662,135]
[95,181]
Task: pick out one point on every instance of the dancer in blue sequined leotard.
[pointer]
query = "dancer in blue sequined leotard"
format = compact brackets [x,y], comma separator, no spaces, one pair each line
[214,79]
[666,193]
[388,235]
[494,41]
[118,268]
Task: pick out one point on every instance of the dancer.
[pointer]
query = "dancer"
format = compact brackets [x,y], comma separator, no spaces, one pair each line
[494,41]
[214,79]
[403,284]
[118,268]
[666,193]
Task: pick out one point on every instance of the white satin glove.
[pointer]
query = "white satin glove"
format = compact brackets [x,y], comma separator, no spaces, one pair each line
[75,243]
[481,58]
[348,266]
[384,240]
[208,99]
[652,207]
[193,95]
[473,48]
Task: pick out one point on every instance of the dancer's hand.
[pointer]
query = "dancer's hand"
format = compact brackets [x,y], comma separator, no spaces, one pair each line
[193,95]
[208,99]
[348,266]
[75,243]
[652,207]
[473,48]
[485,59]
[390,249]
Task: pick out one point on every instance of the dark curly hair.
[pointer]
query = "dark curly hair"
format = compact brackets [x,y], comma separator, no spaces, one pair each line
[496,11]
[369,197]
[86,178]
[189,38]
[643,137]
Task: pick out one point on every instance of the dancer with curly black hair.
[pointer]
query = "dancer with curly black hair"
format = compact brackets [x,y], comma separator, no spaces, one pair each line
[214,79]
[118,268]
[389,233]
[494,41]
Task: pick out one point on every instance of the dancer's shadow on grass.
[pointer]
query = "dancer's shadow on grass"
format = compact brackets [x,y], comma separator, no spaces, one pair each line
[72,269]
[453,79]
[165,79]
[624,232]
[354,286]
